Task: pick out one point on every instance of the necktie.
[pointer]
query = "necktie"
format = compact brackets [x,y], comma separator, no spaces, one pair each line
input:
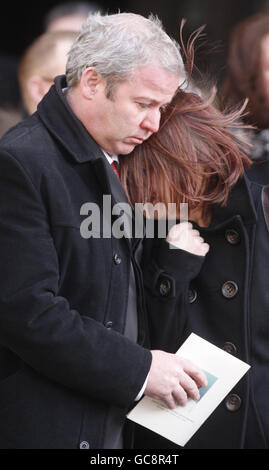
[115,167]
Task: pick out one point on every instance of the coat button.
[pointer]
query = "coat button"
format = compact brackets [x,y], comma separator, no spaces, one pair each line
[233,402]
[232,236]
[165,287]
[109,325]
[229,289]
[192,295]
[84,445]
[230,348]
[116,259]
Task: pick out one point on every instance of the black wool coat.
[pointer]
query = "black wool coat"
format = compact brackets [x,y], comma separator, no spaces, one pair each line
[65,366]
[224,298]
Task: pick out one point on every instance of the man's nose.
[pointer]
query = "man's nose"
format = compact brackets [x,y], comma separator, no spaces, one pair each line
[151,122]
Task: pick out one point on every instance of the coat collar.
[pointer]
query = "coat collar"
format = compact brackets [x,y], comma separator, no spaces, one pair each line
[240,202]
[56,114]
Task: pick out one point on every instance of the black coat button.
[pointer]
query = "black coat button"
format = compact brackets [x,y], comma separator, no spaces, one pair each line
[233,402]
[232,236]
[230,348]
[229,289]
[164,287]
[84,445]
[192,295]
[116,258]
[109,325]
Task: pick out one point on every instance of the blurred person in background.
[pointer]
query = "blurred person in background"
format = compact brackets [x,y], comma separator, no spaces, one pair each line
[10,98]
[247,76]
[44,59]
[69,16]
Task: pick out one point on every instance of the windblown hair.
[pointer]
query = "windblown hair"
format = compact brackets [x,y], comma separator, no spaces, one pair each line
[194,158]
[115,45]
[244,67]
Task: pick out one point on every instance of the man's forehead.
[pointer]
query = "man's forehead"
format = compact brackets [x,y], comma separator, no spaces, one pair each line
[155,78]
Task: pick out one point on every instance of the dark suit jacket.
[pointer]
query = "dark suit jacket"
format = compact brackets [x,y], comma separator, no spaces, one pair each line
[64,362]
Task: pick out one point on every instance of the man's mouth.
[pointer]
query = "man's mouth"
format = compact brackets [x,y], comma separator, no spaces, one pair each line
[135,140]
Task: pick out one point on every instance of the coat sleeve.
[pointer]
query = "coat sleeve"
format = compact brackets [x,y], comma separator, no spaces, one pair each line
[167,276]
[36,323]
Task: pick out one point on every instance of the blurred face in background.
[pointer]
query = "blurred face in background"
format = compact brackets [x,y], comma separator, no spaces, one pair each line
[43,61]
[264,70]
[67,23]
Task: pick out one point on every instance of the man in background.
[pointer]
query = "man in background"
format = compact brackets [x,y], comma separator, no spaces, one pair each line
[69,16]
[10,98]
[42,61]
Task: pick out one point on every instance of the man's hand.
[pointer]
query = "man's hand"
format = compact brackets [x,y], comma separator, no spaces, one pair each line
[184,236]
[173,379]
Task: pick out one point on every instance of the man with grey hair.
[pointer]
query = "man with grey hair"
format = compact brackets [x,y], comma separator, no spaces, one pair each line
[73,355]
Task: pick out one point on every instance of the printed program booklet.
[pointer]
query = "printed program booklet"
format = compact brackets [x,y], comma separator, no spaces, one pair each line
[223,371]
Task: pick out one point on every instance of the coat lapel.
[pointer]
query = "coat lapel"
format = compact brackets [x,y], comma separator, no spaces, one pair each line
[120,207]
[240,202]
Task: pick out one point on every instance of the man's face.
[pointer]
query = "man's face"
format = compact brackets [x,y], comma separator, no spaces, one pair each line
[132,114]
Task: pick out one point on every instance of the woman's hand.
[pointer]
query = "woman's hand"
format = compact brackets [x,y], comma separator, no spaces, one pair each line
[185,237]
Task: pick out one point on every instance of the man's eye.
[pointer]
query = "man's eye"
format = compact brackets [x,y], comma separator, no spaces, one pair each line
[143,105]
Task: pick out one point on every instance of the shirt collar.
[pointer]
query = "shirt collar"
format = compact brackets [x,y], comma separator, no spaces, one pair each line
[110,158]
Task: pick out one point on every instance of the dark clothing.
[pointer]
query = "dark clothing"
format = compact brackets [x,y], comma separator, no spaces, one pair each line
[259,171]
[68,373]
[224,298]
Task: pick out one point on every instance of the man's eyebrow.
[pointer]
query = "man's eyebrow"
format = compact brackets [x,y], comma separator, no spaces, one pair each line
[150,100]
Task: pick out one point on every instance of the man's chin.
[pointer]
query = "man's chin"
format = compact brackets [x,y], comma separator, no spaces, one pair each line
[125,149]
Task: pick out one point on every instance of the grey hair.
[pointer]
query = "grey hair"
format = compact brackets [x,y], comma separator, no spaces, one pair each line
[115,45]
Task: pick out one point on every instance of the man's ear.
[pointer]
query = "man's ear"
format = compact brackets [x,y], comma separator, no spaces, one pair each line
[90,82]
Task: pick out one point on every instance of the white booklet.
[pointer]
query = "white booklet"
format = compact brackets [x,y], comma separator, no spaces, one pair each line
[223,371]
